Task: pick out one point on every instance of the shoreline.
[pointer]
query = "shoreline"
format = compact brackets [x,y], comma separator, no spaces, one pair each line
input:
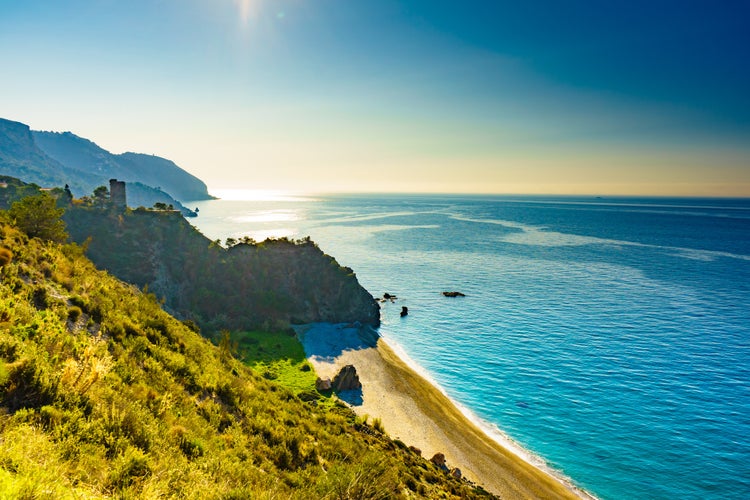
[414,409]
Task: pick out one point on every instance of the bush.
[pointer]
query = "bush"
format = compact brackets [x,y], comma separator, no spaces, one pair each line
[5,256]
[132,467]
[74,313]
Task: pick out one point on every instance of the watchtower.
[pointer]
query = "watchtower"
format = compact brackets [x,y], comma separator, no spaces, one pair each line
[117,194]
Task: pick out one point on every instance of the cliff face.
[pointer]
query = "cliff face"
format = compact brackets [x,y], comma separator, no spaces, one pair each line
[270,284]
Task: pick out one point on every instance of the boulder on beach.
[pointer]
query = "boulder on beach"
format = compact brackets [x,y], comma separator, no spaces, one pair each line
[439,460]
[453,294]
[347,379]
[323,384]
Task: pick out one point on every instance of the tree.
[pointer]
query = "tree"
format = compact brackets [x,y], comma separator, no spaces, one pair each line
[38,216]
[101,196]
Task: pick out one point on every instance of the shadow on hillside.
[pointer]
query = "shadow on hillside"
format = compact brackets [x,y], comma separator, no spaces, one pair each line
[324,342]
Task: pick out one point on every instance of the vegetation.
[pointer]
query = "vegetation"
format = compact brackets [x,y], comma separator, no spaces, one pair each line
[39,217]
[103,394]
[248,286]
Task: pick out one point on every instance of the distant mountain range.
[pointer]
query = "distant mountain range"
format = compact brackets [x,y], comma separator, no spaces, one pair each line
[56,159]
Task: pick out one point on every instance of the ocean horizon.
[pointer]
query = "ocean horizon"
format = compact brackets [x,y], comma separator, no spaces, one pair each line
[607,336]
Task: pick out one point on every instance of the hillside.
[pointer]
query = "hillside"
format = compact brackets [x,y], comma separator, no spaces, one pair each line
[269,284]
[84,166]
[104,395]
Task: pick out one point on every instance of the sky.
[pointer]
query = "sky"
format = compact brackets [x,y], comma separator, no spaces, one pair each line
[574,97]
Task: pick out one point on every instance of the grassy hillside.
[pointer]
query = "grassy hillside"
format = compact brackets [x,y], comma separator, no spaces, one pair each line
[103,394]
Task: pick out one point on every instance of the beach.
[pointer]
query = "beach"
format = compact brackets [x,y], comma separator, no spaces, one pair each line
[416,412]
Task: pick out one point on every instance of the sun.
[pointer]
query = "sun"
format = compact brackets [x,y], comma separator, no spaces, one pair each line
[247,9]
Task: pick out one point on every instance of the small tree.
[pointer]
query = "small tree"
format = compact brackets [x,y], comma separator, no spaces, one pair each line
[101,196]
[39,217]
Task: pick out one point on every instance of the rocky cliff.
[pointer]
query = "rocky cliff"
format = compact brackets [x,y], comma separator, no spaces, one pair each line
[270,284]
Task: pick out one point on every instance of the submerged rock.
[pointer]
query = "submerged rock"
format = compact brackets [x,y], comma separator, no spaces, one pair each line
[347,379]
[453,294]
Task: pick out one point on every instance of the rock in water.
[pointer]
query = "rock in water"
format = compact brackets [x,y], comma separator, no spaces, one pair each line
[404,311]
[347,379]
[454,294]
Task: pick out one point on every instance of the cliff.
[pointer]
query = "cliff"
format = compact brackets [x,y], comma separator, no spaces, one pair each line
[270,284]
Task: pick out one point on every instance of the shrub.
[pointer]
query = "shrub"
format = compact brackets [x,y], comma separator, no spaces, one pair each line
[132,466]
[5,256]
[74,313]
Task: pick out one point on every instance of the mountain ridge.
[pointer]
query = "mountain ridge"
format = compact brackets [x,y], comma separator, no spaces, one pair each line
[85,166]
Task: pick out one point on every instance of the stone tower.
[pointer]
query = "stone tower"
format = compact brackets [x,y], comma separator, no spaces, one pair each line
[117,194]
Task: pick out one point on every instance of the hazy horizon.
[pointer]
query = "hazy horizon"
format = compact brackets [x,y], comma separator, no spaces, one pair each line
[411,96]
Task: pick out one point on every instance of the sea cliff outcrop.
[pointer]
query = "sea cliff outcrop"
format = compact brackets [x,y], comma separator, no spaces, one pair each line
[268,284]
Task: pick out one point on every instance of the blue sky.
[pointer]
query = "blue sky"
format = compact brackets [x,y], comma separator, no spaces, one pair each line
[578,97]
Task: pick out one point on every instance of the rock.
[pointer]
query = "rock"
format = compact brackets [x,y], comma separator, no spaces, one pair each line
[439,460]
[323,384]
[388,296]
[347,379]
[456,472]
[415,450]
[404,311]
[454,294]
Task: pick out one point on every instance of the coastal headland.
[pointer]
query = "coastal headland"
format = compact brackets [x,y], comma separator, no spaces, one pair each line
[416,412]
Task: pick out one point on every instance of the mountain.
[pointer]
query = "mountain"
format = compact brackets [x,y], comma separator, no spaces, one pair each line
[84,166]
[83,155]
[20,157]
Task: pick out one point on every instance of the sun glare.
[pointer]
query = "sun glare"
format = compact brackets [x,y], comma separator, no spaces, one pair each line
[258,195]
[247,9]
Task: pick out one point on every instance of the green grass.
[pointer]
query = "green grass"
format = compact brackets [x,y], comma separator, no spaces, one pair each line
[280,357]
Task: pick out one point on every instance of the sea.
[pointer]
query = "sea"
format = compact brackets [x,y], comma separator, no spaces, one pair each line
[608,337]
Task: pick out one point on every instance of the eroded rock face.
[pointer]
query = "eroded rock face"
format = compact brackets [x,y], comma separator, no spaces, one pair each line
[347,379]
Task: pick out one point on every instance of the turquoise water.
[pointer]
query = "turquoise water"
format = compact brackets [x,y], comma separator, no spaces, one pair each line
[609,336]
